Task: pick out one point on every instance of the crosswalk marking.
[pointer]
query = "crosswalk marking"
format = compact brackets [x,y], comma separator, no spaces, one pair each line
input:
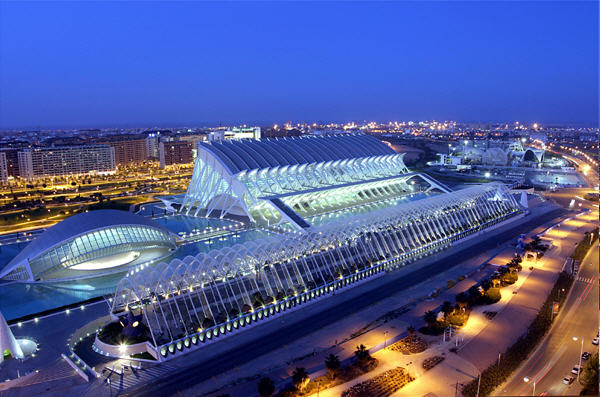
[585,279]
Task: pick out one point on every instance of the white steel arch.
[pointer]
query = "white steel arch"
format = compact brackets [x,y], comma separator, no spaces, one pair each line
[211,293]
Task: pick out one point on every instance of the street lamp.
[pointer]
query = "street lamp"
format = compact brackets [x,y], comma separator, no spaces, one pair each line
[526,380]
[385,339]
[580,354]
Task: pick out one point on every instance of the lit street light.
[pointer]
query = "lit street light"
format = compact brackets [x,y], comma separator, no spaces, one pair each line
[526,380]
[580,354]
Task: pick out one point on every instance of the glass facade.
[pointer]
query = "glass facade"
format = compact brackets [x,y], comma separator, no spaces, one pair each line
[98,244]
[207,294]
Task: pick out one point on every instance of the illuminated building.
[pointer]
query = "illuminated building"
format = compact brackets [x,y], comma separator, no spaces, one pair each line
[66,160]
[89,244]
[348,211]
[282,182]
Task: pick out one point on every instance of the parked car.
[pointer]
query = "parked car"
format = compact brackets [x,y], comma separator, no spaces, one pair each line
[576,370]
[567,380]
[595,341]
[585,356]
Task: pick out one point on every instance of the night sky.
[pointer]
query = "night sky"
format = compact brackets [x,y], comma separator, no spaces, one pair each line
[161,64]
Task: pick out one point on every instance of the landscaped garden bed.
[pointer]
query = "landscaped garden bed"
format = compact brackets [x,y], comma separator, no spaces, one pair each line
[412,344]
[384,384]
[431,362]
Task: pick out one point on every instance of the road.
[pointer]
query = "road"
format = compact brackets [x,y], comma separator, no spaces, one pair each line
[198,369]
[558,353]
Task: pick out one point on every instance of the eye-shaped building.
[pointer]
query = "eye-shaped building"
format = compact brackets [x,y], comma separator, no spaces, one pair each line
[90,244]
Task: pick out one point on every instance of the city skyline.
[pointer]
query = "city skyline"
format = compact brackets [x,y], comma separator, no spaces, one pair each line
[268,62]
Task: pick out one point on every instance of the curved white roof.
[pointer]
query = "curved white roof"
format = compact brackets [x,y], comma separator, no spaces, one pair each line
[79,224]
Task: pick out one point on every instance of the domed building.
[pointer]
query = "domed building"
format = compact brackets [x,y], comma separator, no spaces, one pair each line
[91,244]
[494,156]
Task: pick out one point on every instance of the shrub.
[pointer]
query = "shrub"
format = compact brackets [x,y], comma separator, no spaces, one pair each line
[510,278]
[266,387]
[491,296]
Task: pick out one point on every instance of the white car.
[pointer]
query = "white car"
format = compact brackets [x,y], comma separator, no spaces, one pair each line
[576,370]
[567,380]
[595,341]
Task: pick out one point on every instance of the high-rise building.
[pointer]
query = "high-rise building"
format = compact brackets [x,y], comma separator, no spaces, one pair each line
[129,151]
[152,145]
[12,161]
[3,168]
[175,152]
[66,160]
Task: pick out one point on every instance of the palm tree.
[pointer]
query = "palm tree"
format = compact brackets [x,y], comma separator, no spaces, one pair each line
[266,387]
[447,308]
[486,284]
[430,318]
[299,377]
[474,293]
[333,364]
[362,354]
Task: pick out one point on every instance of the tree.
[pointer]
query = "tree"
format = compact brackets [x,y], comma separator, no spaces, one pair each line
[462,297]
[447,308]
[333,364]
[589,377]
[430,318]
[474,293]
[486,284]
[266,387]
[411,330]
[299,377]
[362,354]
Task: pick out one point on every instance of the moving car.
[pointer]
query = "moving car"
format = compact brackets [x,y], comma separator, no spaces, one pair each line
[585,356]
[576,370]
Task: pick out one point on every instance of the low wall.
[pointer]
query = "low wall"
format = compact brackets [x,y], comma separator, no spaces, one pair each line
[124,351]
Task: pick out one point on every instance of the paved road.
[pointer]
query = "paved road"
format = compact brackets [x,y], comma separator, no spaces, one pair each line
[558,353]
[199,370]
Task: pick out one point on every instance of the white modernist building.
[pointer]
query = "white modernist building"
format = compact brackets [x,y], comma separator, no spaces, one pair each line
[89,244]
[191,301]
[287,180]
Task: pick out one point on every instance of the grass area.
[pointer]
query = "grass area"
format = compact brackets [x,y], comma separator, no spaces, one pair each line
[36,214]
[55,214]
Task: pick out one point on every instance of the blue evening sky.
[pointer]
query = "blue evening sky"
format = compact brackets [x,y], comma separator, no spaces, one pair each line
[87,64]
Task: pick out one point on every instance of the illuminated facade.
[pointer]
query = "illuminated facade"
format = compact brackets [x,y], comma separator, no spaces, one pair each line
[287,180]
[89,244]
[191,301]
[66,160]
